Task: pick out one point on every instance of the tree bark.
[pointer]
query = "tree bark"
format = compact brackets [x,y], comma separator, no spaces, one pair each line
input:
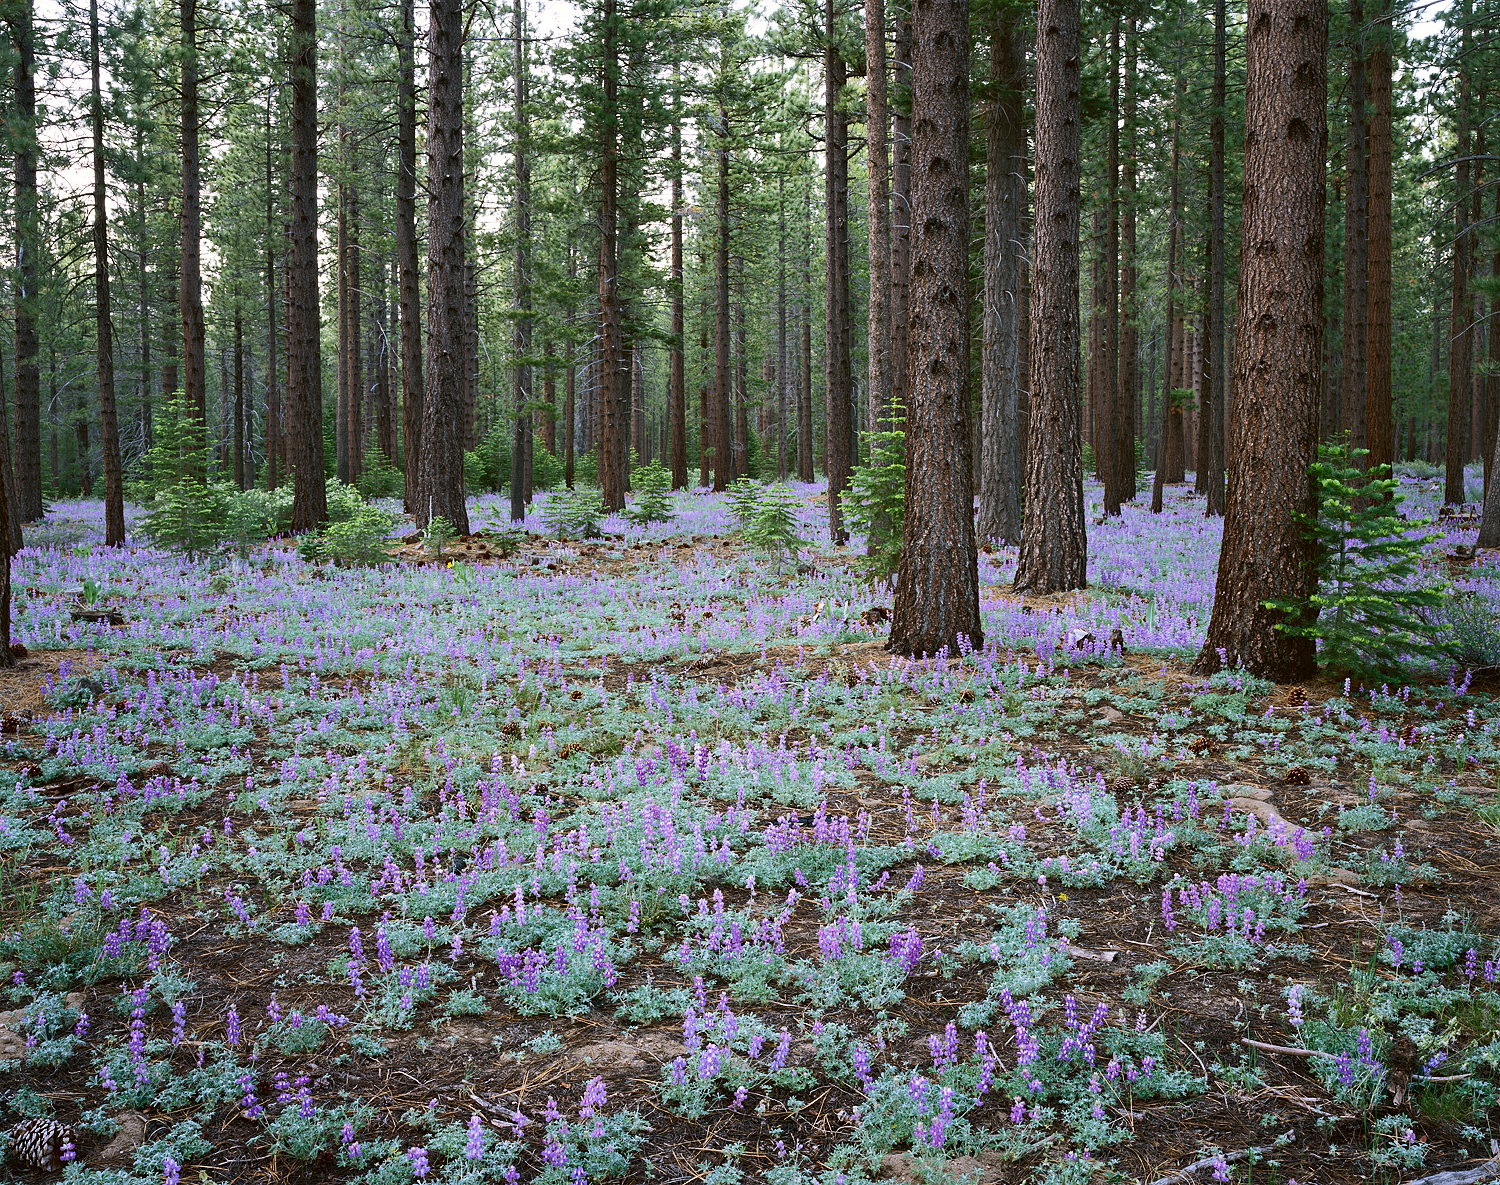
[901,211]
[109,424]
[1214,382]
[1352,398]
[1116,438]
[1460,342]
[28,438]
[239,398]
[609,388]
[877,121]
[1378,427]
[723,427]
[1172,326]
[190,279]
[1129,334]
[677,391]
[1267,553]
[519,487]
[1053,545]
[304,379]
[441,459]
[275,437]
[781,357]
[837,371]
[412,372]
[1004,196]
[936,606]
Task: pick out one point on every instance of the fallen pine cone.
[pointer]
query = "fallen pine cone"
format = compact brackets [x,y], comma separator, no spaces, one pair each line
[1122,785]
[1297,776]
[41,1143]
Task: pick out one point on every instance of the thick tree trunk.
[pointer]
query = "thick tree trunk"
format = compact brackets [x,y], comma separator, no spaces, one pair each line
[304,378]
[901,210]
[804,401]
[441,457]
[723,427]
[412,373]
[1460,342]
[781,358]
[609,389]
[1004,196]
[239,398]
[936,605]
[838,378]
[28,443]
[1053,544]
[677,390]
[741,379]
[1352,399]
[109,424]
[190,279]
[1168,375]
[877,121]
[275,436]
[1115,437]
[1267,554]
[1378,427]
[519,487]
[1129,334]
[354,334]
[1214,382]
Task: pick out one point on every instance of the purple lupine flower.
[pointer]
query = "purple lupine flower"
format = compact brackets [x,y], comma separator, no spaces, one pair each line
[594,1096]
[170,1171]
[1294,1005]
[418,1158]
[474,1148]
[179,1023]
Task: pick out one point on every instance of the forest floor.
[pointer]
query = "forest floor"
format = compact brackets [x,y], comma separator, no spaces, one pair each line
[642,859]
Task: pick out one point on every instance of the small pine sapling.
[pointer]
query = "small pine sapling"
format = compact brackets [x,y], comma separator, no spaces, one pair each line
[876,503]
[1370,602]
[773,528]
[652,502]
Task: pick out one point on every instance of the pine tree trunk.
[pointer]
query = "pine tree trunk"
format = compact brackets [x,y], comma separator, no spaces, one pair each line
[412,372]
[804,402]
[877,121]
[1129,334]
[1053,544]
[1460,343]
[677,393]
[1004,196]
[1352,398]
[901,212]
[441,458]
[781,358]
[1214,382]
[837,369]
[547,415]
[1116,437]
[190,279]
[239,399]
[304,379]
[1378,426]
[275,438]
[519,488]
[28,439]
[741,380]
[354,336]
[109,424]
[936,605]
[723,427]
[609,387]
[1266,553]
[1164,439]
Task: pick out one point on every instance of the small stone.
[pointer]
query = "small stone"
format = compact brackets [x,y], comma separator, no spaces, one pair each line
[1263,811]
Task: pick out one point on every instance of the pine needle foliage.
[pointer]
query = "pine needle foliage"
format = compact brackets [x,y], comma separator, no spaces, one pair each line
[1371,607]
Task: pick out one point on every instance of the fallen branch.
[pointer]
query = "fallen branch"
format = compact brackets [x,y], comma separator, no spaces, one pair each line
[1489,1170]
[1287,1049]
[1209,1162]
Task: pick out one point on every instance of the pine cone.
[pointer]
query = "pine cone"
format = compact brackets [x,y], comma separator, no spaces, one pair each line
[1122,785]
[39,1143]
[1297,776]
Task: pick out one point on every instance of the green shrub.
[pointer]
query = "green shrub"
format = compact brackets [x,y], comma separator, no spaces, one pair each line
[774,525]
[1468,627]
[1369,611]
[586,468]
[546,469]
[379,478]
[653,504]
[344,501]
[744,501]
[574,514]
[360,541]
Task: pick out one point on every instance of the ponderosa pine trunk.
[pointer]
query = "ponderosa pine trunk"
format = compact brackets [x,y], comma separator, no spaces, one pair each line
[1004,196]
[28,431]
[677,388]
[1116,438]
[936,606]
[275,436]
[805,470]
[877,121]
[519,487]
[1054,549]
[104,348]
[609,390]
[408,284]
[723,377]
[1129,334]
[901,210]
[837,366]
[304,370]
[1352,398]
[1214,379]
[441,457]
[1267,553]
[239,398]
[1460,342]
[1378,425]
[1172,325]
[190,277]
